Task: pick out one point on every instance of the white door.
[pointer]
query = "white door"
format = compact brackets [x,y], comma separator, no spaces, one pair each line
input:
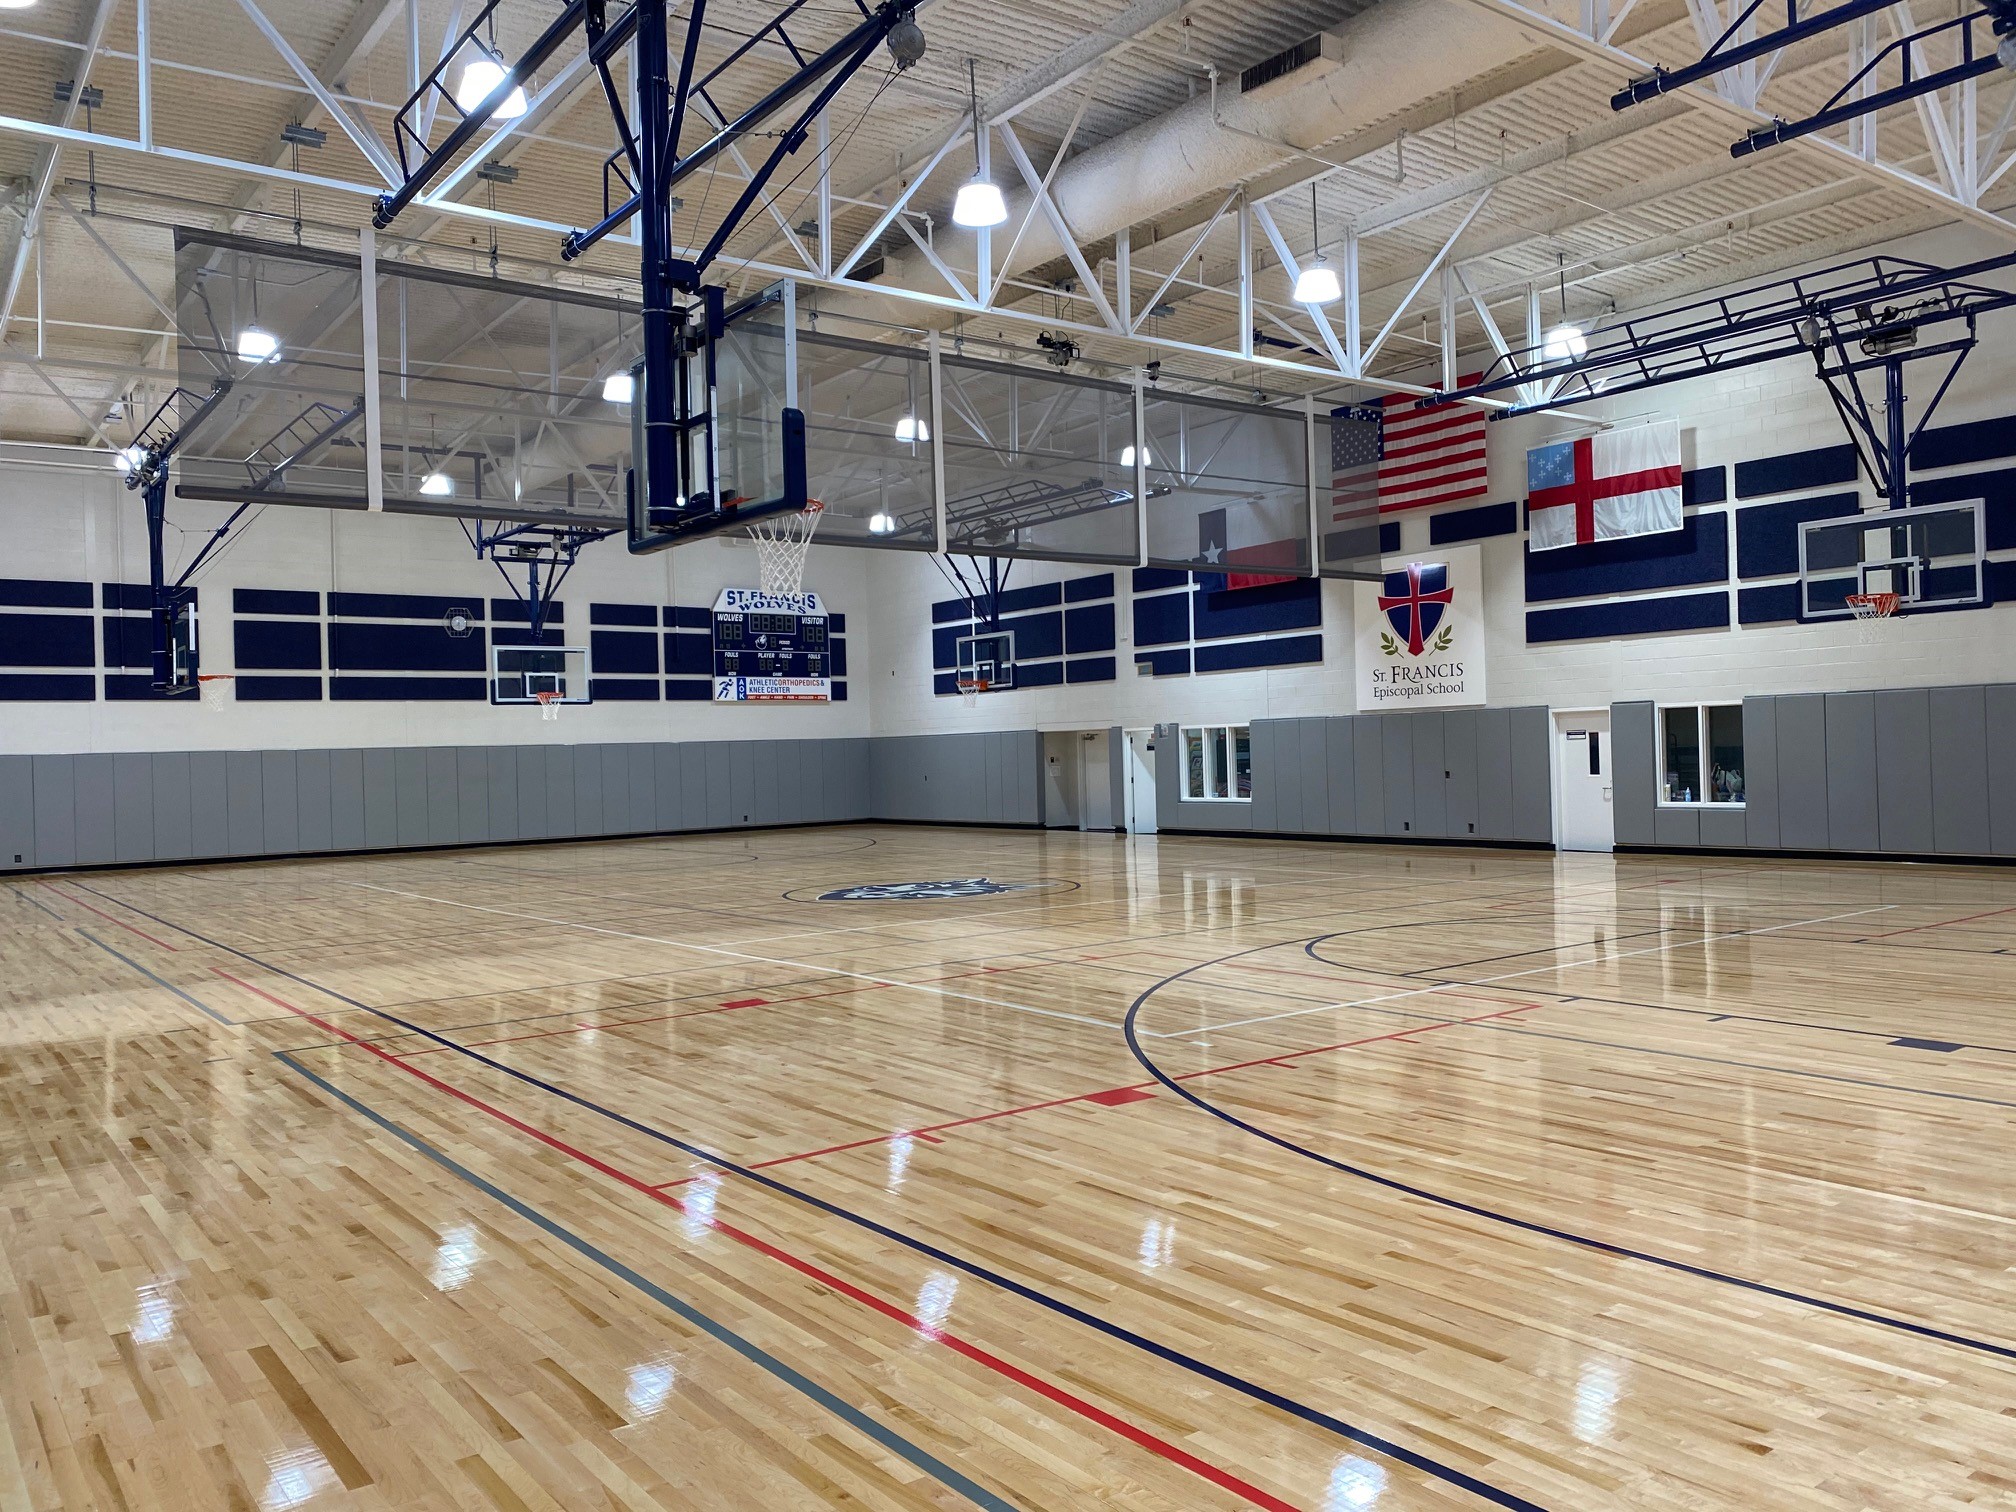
[1095,781]
[1583,759]
[1140,782]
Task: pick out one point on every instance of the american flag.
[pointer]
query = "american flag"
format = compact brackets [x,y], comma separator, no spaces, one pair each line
[1423,457]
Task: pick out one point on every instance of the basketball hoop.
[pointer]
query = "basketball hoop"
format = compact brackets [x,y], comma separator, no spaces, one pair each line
[781,544]
[216,688]
[1871,610]
[549,704]
[970,689]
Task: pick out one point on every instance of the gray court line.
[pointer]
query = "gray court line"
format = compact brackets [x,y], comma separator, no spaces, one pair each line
[36,903]
[158,981]
[1734,934]
[741,955]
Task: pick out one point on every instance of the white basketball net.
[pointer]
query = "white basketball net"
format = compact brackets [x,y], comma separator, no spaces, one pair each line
[549,705]
[216,689]
[781,544]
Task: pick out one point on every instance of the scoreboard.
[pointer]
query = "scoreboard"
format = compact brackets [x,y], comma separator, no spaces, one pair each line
[771,648]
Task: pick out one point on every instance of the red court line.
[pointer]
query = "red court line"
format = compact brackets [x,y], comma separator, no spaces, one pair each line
[1113,1093]
[104,915]
[1942,924]
[1091,1412]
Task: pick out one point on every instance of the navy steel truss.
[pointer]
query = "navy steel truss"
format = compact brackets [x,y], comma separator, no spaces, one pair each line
[675,478]
[546,553]
[1853,319]
[1984,41]
[1978,38]
[147,462]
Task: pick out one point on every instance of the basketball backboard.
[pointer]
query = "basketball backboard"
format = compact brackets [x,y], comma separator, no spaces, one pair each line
[519,674]
[987,661]
[1929,555]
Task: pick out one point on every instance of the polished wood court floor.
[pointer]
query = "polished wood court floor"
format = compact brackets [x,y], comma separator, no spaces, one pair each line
[1187,1174]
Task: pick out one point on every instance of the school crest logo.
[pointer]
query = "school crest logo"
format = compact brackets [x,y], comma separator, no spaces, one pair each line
[1413,602]
[952,887]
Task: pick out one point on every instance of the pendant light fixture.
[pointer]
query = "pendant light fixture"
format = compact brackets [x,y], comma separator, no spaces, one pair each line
[1317,282]
[979,204]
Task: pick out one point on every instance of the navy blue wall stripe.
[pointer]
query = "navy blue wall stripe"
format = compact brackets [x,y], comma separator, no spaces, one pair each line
[624,651]
[623,614]
[1036,635]
[47,640]
[1767,535]
[1148,579]
[689,655]
[39,593]
[129,641]
[268,643]
[623,689]
[1041,675]
[46,687]
[1768,605]
[1822,467]
[1089,627]
[1091,669]
[275,601]
[686,617]
[1279,651]
[403,648]
[1698,552]
[518,612]
[1478,524]
[409,689]
[1957,445]
[1997,492]
[1296,605]
[1098,586]
[1649,616]
[399,606]
[689,689]
[1167,663]
[277,689]
[1704,485]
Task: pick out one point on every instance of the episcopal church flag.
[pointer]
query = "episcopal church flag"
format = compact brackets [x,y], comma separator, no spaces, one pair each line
[1612,484]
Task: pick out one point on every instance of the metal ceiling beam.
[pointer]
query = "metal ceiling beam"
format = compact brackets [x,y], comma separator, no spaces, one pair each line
[1579,44]
[44,177]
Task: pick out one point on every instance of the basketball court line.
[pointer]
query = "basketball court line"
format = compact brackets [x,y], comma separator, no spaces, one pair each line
[860,976]
[1268,1018]
[35,903]
[158,981]
[1524,1225]
[935,1333]
[769,1363]
[1253,1390]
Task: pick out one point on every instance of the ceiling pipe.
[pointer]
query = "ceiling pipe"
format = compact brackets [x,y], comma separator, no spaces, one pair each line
[1393,54]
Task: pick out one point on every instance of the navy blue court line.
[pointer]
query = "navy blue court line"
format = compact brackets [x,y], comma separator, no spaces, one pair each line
[1421,975]
[157,981]
[1525,1225]
[894,1442]
[1315,1417]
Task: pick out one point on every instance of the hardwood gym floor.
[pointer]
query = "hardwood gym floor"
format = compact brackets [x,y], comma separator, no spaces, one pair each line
[1197,1174]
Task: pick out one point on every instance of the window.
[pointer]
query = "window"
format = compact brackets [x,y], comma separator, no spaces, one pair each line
[1218,764]
[1703,749]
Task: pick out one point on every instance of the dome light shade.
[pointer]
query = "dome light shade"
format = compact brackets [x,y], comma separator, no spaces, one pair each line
[619,388]
[1317,284]
[910,428]
[979,205]
[255,345]
[1564,343]
[17,4]
[482,75]
[130,458]
[881,523]
[1127,457]
[437,485]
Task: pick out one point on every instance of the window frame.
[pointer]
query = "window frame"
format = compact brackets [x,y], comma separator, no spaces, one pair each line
[1705,758]
[1213,741]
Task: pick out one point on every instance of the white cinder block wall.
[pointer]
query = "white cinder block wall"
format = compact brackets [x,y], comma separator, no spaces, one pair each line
[83,524]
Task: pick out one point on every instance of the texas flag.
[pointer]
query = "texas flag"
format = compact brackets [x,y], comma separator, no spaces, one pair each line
[1603,487]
